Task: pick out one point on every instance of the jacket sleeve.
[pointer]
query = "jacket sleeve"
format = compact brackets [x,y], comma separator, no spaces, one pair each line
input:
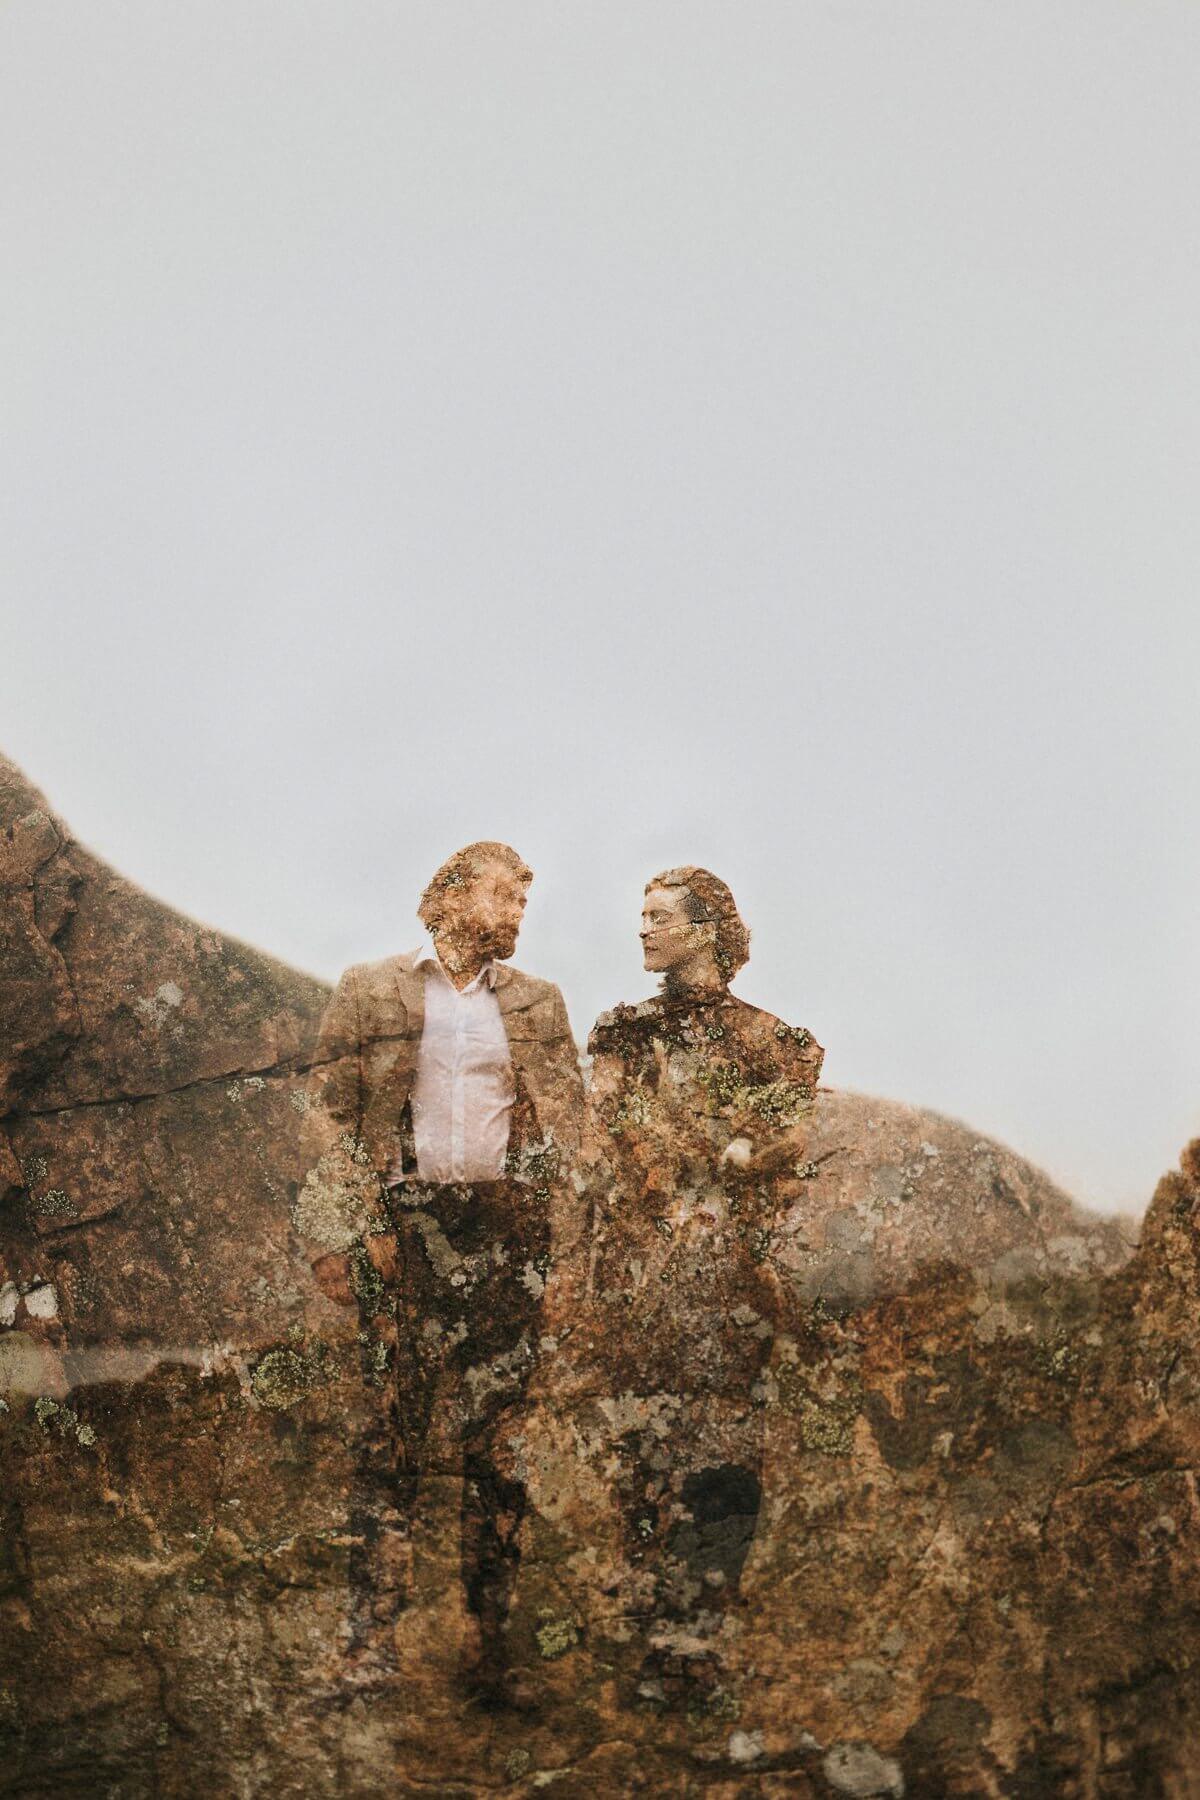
[563,1098]
[563,1112]
[779,1120]
[584,1209]
[337,1196]
[336,1085]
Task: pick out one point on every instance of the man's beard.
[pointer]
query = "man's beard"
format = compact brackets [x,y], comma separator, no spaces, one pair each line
[500,944]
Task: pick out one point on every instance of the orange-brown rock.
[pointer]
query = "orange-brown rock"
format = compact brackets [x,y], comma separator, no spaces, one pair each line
[976,1566]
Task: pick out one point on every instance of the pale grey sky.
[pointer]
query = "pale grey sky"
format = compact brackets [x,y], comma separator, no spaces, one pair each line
[758,434]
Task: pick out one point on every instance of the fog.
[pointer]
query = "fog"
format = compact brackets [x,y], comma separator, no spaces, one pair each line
[753,434]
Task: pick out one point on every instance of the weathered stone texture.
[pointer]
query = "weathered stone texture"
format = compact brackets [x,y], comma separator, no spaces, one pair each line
[975,1572]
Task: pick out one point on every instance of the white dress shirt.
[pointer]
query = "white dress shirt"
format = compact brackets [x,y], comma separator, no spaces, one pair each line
[463,1094]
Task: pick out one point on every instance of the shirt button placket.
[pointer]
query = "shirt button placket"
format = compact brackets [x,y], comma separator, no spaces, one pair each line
[458,1162]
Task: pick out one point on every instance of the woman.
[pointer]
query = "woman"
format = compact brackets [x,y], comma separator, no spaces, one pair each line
[698,1119]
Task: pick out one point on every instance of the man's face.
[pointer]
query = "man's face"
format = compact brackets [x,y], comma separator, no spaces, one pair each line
[490,906]
[668,936]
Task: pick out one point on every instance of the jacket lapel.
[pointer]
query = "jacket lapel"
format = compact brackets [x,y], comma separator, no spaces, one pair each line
[511,999]
[409,984]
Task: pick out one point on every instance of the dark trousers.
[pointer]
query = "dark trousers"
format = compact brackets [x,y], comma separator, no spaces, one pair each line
[689,1511]
[465,1308]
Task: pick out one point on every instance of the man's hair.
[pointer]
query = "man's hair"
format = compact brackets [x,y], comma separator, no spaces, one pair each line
[462,870]
[708,900]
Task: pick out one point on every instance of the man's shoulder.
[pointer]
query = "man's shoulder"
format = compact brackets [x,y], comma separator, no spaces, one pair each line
[369,975]
[523,988]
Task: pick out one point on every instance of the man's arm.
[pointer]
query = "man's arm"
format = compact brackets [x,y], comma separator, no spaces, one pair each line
[562,1115]
[564,1088]
[335,1087]
[333,1121]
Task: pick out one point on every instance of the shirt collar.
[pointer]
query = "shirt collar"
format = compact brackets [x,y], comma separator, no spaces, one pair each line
[426,954]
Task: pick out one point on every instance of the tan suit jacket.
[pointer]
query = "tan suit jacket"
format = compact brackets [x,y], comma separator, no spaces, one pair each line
[371,1033]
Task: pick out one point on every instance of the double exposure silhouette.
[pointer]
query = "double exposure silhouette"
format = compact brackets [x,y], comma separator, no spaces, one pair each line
[455,1080]
[697,1128]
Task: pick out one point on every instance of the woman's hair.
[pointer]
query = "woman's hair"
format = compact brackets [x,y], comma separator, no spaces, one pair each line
[461,870]
[708,900]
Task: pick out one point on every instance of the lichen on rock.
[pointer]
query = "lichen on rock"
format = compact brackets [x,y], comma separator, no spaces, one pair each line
[973,1565]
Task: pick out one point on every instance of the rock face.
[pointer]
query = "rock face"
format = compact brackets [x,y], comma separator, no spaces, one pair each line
[897,1188]
[975,1568]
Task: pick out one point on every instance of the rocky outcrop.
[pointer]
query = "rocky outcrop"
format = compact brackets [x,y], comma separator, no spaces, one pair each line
[893,1188]
[976,1567]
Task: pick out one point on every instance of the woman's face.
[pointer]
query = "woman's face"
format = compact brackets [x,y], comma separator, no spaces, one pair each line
[668,936]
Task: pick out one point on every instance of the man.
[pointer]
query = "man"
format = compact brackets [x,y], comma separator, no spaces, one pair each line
[454,1080]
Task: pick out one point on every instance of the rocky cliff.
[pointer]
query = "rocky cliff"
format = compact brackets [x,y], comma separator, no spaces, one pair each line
[975,1571]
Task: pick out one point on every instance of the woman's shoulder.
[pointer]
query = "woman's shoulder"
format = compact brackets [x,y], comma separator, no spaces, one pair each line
[753,1025]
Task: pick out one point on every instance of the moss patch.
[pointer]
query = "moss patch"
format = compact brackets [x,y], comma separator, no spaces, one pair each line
[556,1635]
[284,1377]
